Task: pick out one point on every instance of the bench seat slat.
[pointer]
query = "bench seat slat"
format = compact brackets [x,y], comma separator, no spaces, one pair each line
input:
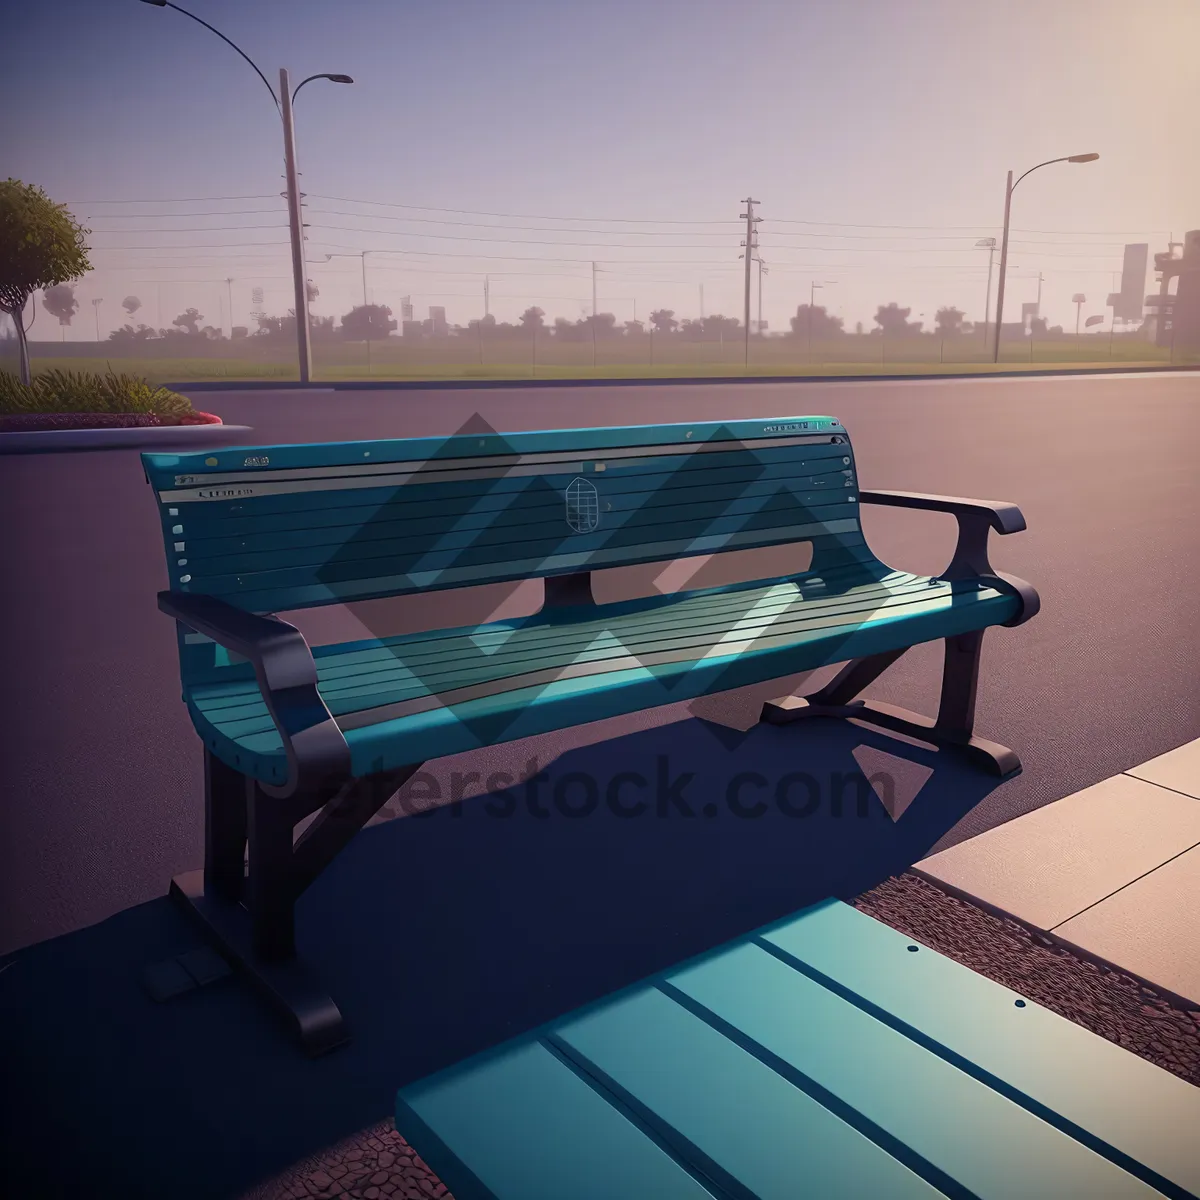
[1093,1084]
[590,1150]
[730,1109]
[762,1076]
[979,1138]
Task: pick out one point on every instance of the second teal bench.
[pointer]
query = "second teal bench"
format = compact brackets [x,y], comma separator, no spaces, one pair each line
[825,1056]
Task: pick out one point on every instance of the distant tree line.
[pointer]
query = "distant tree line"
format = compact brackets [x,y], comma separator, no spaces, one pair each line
[374,322]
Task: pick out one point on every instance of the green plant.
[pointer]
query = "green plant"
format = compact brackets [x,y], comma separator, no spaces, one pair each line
[41,244]
[79,391]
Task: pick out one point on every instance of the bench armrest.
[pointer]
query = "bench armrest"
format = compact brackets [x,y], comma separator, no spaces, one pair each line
[317,754]
[1001,516]
[975,519]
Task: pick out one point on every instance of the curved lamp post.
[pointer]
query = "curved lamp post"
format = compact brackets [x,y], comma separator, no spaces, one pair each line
[1075,158]
[283,103]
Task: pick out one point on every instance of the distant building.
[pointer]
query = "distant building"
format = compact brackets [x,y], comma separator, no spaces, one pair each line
[406,308]
[1128,303]
[410,328]
[1178,323]
[437,320]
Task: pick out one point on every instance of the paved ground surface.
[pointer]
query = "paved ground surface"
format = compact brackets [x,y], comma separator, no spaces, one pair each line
[378,1162]
[1112,871]
[419,919]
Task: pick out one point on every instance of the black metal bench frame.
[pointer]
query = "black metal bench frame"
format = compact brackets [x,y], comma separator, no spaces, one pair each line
[255,869]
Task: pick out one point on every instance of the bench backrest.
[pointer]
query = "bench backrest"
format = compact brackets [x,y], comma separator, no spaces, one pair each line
[276,528]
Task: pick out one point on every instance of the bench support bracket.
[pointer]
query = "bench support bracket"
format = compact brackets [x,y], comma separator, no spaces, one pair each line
[953,728]
[255,869]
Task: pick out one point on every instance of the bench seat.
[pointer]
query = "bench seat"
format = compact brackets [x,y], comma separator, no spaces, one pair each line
[416,695]
[826,1055]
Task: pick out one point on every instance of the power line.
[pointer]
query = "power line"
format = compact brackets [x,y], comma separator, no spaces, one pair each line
[337,212]
[230,212]
[209,246]
[513,216]
[177,200]
[462,237]
[196,229]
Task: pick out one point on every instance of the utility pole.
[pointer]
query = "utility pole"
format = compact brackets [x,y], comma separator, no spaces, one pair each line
[702,302]
[1008,190]
[760,275]
[295,221]
[486,309]
[229,294]
[990,243]
[96,309]
[750,245]
[363,257]
[593,314]
[1039,299]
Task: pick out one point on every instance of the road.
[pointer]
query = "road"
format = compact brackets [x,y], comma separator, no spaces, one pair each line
[100,773]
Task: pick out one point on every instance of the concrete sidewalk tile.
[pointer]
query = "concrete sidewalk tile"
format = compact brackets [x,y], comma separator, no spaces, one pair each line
[1052,863]
[1149,928]
[1178,769]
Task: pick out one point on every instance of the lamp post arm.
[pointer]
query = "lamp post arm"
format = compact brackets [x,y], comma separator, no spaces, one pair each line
[168,4]
[1041,164]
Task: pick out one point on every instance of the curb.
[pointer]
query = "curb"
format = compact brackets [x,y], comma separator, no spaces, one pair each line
[50,441]
[406,385]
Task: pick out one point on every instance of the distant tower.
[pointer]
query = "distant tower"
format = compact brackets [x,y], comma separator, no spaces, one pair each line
[1179,312]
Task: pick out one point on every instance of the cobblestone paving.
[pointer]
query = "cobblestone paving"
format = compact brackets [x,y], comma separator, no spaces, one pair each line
[372,1165]
[379,1163]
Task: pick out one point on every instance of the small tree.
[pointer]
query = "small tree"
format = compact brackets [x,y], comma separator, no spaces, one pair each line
[41,245]
[189,321]
[59,301]
[533,318]
[948,322]
[663,320]
[131,304]
[368,323]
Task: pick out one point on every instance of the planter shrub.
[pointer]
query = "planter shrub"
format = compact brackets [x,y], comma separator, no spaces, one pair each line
[85,400]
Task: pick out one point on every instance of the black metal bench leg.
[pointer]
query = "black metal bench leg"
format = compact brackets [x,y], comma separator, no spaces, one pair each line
[954,727]
[254,927]
[224,828]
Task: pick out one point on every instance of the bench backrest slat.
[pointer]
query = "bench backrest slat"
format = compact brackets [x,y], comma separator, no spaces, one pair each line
[276,528]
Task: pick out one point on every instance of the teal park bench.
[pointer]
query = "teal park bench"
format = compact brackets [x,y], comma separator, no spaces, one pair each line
[824,1056]
[290,731]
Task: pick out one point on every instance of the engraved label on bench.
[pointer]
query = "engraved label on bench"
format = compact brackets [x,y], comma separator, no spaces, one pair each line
[582,505]
[261,460]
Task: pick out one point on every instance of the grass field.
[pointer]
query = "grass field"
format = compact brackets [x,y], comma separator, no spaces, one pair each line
[460,358]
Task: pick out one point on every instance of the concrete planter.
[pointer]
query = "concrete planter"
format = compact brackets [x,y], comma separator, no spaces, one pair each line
[50,432]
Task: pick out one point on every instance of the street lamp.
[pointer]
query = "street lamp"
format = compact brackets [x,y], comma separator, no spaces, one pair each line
[812,292]
[1075,158]
[988,244]
[362,254]
[283,103]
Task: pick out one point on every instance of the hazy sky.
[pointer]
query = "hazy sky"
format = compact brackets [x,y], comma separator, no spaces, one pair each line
[875,133]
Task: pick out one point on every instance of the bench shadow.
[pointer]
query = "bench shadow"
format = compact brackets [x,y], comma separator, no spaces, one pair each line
[442,934]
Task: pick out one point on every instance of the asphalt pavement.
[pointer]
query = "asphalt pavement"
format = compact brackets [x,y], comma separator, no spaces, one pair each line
[101,771]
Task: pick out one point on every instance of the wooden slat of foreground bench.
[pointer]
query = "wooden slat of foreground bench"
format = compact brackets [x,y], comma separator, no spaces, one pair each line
[817,1057]
[289,731]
